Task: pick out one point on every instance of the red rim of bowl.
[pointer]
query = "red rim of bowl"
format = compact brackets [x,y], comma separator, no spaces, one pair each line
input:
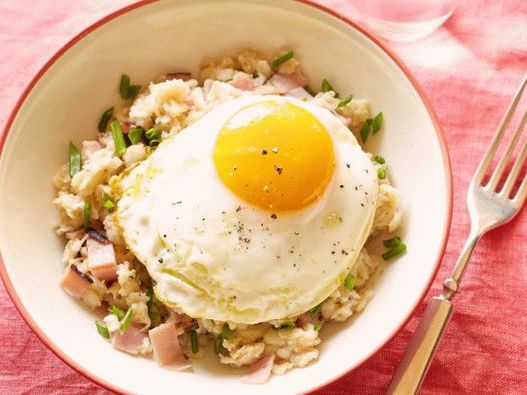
[446,161]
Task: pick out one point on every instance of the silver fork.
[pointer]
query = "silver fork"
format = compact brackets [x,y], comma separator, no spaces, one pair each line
[488,208]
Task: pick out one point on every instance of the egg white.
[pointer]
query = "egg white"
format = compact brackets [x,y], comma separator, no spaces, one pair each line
[213,255]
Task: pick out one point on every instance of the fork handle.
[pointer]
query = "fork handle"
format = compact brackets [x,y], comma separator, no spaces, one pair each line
[420,351]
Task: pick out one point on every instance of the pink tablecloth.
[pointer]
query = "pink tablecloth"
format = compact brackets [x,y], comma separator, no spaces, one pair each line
[469,69]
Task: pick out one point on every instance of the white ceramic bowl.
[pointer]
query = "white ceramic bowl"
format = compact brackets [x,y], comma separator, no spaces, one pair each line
[66,98]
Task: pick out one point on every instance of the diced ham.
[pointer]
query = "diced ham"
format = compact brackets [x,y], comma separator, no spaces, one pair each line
[165,343]
[131,340]
[126,126]
[75,282]
[244,83]
[299,93]
[260,371]
[88,148]
[101,259]
[179,76]
[284,83]
[75,234]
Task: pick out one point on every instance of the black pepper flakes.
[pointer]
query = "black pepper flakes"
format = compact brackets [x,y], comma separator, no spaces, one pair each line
[278,169]
[264,152]
[348,165]
[332,252]
[362,204]
[160,260]
[344,252]
[341,186]
[239,208]
[274,216]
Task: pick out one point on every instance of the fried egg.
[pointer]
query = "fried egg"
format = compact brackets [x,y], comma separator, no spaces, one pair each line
[256,212]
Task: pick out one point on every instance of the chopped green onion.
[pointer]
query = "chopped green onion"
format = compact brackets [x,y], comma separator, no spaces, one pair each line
[394,241]
[376,124]
[102,329]
[325,86]
[345,101]
[349,282]
[124,85]
[133,90]
[126,90]
[152,314]
[126,320]
[379,159]
[86,214]
[227,332]
[314,310]
[281,60]
[194,345]
[318,326]
[310,90]
[118,138]
[75,159]
[105,117]
[135,135]
[381,173]
[218,344]
[394,251]
[287,325]
[365,129]
[107,202]
[152,133]
[116,311]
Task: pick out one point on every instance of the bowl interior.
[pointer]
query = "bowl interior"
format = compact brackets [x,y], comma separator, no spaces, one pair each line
[67,101]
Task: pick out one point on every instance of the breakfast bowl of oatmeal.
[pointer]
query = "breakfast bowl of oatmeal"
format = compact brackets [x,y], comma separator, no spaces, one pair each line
[247,212]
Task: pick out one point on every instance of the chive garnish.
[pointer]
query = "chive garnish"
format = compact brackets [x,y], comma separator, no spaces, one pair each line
[133,90]
[281,60]
[381,173]
[126,320]
[107,202]
[314,310]
[152,314]
[124,85]
[325,86]
[102,329]
[218,344]
[75,159]
[379,159]
[394,241]
[376,123]
[126,90]
[394,251]
[194,345]
[116,311]
[118,138]
[86,214]
[227,332]
[287,325]
[152,133]
[396,247]
[365,129]
[318,326]
[349,282]
[345,101]
[105,117]
[310,90]
[135,135]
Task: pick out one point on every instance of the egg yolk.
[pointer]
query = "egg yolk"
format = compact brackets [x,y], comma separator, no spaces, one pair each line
[275,155]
